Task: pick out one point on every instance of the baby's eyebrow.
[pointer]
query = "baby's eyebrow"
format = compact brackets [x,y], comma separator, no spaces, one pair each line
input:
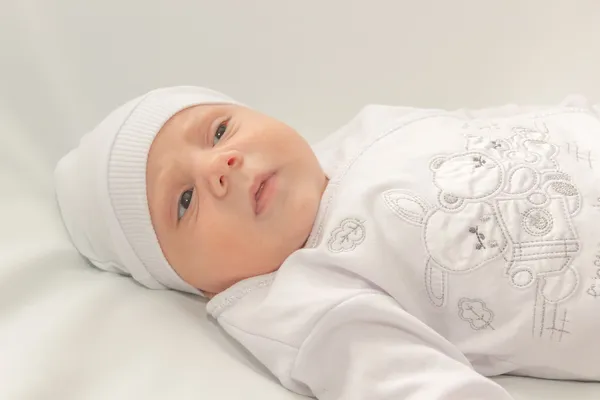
[171,210]
[165,198]
[194,129]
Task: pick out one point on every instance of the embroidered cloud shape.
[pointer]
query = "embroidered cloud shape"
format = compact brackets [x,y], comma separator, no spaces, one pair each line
[347,236]
[475,312]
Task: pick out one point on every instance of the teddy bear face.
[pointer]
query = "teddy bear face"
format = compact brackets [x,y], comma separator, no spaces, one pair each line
[471,176]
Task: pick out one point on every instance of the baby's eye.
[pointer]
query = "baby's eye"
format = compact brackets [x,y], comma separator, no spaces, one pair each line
[221,129]
[184,203]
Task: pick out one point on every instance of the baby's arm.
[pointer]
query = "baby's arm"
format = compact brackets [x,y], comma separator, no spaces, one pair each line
[368,348]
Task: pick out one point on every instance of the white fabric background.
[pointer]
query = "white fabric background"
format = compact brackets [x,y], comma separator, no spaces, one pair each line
[70,332]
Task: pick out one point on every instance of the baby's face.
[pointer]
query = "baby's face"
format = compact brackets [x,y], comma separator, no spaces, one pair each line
[232,193]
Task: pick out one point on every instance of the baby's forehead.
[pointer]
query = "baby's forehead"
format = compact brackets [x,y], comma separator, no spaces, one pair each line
[184,127]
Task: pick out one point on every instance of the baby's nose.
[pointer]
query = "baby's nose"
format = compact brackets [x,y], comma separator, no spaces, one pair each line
[221,169]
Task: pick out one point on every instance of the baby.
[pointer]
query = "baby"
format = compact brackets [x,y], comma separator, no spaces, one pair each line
[409,255]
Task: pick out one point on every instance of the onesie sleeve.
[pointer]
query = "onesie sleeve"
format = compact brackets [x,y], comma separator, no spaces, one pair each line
[368,347]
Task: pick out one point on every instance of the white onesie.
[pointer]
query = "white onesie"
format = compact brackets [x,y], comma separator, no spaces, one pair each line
[449,246]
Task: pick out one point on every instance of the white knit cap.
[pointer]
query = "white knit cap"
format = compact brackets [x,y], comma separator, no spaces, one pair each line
[101,187]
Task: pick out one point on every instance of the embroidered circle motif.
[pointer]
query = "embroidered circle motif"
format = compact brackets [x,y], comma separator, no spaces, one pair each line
[564,188]
[522,278]
[450,199]
[537,222]
[537,198]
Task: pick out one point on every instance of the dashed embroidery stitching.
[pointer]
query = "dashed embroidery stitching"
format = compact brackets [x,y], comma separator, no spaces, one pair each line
[537,222]
[476,313]
[349,234]
[445,170]
[237,295]
[523,216]
[406,206]
[436,297]
[521,180]
[522,277]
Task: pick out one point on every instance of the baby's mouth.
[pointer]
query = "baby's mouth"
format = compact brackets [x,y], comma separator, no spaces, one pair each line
[257,191]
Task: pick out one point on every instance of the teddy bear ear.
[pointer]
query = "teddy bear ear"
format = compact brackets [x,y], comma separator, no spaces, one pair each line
[437,162]
[406,205]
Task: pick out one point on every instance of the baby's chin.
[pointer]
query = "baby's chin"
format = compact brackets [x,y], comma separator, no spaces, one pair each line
[285,245]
